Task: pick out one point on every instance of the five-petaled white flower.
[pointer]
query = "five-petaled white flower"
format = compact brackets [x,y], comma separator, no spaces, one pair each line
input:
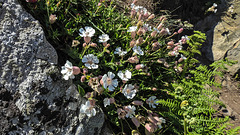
[138,50]
[120,52]
[103,38]
[129,91]
[87,32]
[152,101]
[90,61]
[88,109]
[109,82]
[67,71]
[130,111]
[125,76]
[132,29]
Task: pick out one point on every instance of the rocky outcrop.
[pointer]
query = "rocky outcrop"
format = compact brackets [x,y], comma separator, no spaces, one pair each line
[223,34]
[34,99]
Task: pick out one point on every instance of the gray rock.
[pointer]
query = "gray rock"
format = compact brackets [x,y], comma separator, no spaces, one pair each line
[34,99]
[223,34]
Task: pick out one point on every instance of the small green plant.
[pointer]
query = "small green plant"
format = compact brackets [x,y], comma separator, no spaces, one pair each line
[145,81]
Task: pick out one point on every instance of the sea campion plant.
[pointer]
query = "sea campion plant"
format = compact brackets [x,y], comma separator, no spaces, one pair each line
[139,68]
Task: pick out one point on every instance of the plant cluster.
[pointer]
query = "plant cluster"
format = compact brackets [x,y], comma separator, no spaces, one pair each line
[139,68]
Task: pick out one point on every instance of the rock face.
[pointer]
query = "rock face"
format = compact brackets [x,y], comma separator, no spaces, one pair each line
[34,99]
[223,34]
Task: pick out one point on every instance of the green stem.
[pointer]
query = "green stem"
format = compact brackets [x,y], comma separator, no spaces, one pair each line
[185,126]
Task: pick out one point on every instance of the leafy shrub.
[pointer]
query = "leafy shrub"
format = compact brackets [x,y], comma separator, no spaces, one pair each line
[132,66]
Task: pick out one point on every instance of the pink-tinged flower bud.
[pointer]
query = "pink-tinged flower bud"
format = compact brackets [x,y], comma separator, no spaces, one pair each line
[154,89]
[180,30]
[146,15]
[83,78]
[160,26]
[156,46]
[76,70]
[134,59]
[87,39]
[132,43]
[152,119]
[180,59]
[107,45]
[136,102]
[169,47]
[101,82]
[140,31]
[52,19]
[171,43]
[139,41]
[161,60]
[93,45]
[107,51]
[148,74]
[112,100]
[139,66]
[166,65]
[175,48]
[92,102]
[84,45]
[150,127]
[140,17]
[133,34]
[135,121]
[99,4]
[121,113]
[151,17]
[75,43]
[154,33]
[162,18]
[88,95]
[163,31]
[85,71]
[180,69]
[133,13]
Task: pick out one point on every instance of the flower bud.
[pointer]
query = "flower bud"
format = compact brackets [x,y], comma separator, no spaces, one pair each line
[171,43]
[133,13]
[112,100]
[75,43]
[133,34]
[136,102]
[85,71]
[139,66]
[99,4]
[140,31]
[88,95]
[52,19]
[151,17]
[83,78]
[132,43]
[135,121]
[134,59]
[76,70]
[180,30]
[107,51]
[139,41]
[154,89]
[154,33]
[160,26]
[93,45]
[87,39]
[84,45]
[161,60]
[140,17]
[169,47]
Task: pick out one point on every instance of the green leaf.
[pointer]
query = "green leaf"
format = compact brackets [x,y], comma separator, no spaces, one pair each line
[81,90]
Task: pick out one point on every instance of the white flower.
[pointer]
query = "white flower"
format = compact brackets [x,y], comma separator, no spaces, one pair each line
[106,102]
[140,9]
[152,101]
[130,111]
[155,29]
[103,38]
[138,50]
[67,71]
[90,61]
[129,91]
[214,5]
[88,109]
[109,82]
[169,33]
[185,37]
[125,76]
[132,29]
[148,28]
[88,32]
[120,52]
[183,57]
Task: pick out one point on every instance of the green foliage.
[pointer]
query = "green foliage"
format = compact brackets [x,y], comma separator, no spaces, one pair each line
[178,88]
